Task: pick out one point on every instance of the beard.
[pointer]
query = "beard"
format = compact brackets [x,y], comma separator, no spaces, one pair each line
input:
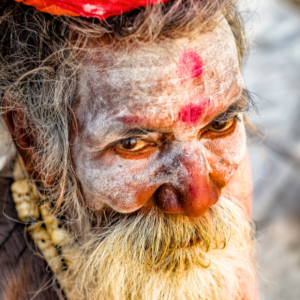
[161,256]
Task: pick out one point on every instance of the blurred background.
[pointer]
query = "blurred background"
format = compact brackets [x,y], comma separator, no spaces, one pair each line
[272,74]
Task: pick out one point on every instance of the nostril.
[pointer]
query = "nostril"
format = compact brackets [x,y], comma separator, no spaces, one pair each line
[167,198]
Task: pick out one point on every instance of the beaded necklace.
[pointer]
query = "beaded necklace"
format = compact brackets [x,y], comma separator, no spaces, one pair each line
[51,238]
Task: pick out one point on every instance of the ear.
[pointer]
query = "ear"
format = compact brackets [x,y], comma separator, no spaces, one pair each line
[24,139]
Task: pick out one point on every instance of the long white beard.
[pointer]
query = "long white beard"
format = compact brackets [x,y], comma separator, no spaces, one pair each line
[166,257]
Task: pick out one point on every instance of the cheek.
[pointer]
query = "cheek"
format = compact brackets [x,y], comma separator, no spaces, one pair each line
[123,184]
[226,154]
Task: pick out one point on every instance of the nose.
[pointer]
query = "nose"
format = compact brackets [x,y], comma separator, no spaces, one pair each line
[192,195]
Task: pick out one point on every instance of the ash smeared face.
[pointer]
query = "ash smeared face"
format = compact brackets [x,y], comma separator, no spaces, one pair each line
[161,125]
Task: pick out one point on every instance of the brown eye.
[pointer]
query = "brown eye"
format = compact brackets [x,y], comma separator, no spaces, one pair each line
[132,144]
[221,125]
[129,144]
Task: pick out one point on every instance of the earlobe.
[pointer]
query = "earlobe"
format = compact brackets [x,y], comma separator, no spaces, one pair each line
[24,139]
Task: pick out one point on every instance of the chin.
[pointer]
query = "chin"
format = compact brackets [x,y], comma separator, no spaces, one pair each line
[161,256]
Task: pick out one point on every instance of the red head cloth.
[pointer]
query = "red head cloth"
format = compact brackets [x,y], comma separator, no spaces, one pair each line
[101,9]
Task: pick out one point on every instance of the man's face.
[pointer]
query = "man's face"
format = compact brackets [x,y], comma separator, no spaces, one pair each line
[159,125]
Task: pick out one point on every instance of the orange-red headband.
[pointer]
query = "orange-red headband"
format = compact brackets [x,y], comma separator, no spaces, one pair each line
[101,9]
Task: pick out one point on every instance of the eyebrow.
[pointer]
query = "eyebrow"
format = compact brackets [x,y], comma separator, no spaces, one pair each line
[243,104]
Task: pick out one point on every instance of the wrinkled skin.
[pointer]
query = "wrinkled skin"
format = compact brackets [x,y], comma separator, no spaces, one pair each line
[166,98]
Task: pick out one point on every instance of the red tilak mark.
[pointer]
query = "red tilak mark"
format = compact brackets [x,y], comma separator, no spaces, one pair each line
[190,65]
[190,114]
[132,120]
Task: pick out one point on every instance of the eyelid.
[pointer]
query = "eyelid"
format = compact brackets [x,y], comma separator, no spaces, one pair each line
[150,138]
[154,136]
[211,134]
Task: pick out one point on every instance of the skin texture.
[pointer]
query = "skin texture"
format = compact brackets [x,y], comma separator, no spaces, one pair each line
[167,97]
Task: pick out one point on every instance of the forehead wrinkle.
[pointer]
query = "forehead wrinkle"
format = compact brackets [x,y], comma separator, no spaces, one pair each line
[147,79]
[134,90]
[138,81]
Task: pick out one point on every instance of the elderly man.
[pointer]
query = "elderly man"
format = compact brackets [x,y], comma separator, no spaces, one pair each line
[132,180]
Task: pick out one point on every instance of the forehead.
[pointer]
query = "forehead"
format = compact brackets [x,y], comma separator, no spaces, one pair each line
[161,78]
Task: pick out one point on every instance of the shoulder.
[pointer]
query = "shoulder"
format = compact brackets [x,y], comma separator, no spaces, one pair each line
[23,273]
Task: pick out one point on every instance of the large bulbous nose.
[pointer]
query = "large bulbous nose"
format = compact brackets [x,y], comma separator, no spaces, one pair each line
[192,195]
